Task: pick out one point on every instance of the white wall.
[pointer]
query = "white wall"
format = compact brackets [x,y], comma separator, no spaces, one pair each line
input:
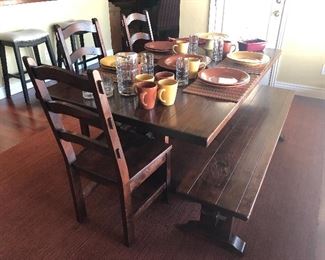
[194,16]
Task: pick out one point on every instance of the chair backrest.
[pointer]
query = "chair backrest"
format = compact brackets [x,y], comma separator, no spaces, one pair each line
[101,118]
[131,36]
[72,59]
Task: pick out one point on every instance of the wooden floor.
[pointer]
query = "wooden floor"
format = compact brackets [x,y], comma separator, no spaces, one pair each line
[20,123]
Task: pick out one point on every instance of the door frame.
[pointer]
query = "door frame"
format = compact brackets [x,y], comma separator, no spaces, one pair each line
[216,21]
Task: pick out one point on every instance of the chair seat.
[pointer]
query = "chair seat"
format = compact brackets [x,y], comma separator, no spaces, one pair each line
[24,35]
[139,152]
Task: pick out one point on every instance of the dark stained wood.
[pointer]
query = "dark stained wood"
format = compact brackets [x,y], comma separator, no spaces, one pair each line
[129,161]
[232,169]
[192,118]
[72,60]
[133,37]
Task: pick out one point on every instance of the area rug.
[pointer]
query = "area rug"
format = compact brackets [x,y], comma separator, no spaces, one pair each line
[37,219]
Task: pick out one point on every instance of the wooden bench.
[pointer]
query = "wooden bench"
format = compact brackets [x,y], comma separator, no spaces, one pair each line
[226,177]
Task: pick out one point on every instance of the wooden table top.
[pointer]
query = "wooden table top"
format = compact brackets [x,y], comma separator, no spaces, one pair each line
[192,118]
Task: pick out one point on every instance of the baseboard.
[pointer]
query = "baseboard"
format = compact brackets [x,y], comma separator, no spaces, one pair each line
[15,85]
[303,90]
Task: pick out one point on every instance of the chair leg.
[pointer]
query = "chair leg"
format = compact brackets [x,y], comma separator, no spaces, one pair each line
[168,173]
[37,56]
[5,70]
[50,51]
[77,195]
[127,219]
[21,73]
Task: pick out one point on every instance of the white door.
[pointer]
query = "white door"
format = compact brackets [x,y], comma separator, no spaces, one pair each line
[250,19]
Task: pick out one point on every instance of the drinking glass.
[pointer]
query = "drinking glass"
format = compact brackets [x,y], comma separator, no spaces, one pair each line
[182,71]
[126,70]
[146,63]
[87,95]
[193,44]
[107,83]
[217,52]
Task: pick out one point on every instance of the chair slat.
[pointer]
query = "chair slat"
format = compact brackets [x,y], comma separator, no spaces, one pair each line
[84,141]
[135,16]
[139,36]
[77,27]
[85,115]
[83,51]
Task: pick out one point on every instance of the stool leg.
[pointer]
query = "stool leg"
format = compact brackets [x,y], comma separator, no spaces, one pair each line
[37,56]
[50,51]
[21,73]
[5,70]
[82,44]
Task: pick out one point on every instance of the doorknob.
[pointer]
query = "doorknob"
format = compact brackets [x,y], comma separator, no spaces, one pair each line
[276,13]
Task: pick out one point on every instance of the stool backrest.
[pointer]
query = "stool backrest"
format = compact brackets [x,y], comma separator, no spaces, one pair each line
[77,56]
[136,35]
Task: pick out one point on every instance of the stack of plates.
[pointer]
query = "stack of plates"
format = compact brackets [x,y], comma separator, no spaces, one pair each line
[159,46]
[108,62]
[224,77]
[249,58]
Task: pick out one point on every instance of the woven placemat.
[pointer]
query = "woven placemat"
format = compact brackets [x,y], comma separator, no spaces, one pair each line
[254,70]
[231,93]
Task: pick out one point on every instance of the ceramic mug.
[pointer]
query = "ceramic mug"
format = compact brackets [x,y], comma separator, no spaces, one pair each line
[167,91]
[164,75]
[228,47]
[147,94]
[194,65]
[144,77]
[181,47]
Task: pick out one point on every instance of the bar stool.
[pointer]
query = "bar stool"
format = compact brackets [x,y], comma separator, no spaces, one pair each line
[21,39]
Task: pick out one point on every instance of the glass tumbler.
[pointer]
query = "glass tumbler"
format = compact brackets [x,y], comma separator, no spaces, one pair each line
[193,44]
[126,70]
[182,71]
[146,63]
[107,83]
[217,52]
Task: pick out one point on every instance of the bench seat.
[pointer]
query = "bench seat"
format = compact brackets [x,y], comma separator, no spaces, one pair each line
[226,177]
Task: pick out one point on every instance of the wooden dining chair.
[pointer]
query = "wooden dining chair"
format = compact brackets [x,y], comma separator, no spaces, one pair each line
[135,39]
[79,54]
[130,161]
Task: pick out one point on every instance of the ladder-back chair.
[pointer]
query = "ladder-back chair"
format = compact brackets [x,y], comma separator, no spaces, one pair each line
[132,35]
[77,56]
[130,161]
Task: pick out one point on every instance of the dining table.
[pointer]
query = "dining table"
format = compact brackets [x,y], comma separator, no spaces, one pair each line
[193,118]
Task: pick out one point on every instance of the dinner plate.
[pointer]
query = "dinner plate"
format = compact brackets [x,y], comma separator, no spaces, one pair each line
[169,62]
[249,58]
[108,62]
[159,46]
[222,76]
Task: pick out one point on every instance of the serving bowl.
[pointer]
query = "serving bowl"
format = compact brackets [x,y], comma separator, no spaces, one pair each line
[252,45]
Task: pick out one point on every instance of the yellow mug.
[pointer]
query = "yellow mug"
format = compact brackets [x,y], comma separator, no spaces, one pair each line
[144,77]
[167,91]
[181,47]
[194,65]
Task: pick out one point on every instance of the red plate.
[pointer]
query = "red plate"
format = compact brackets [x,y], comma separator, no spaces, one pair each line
[169,62]
[159,46]
[223,76]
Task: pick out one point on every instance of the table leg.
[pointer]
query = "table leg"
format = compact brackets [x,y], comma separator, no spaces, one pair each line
[216,226]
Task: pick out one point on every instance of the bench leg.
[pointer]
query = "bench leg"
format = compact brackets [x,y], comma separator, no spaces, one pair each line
[217,227]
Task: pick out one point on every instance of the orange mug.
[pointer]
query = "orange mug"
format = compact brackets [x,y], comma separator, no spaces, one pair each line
[147,94]
[228,47]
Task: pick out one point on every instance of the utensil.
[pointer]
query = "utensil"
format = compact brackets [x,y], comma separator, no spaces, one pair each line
[222,76]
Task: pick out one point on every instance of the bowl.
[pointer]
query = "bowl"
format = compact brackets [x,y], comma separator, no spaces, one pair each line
[252,45]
